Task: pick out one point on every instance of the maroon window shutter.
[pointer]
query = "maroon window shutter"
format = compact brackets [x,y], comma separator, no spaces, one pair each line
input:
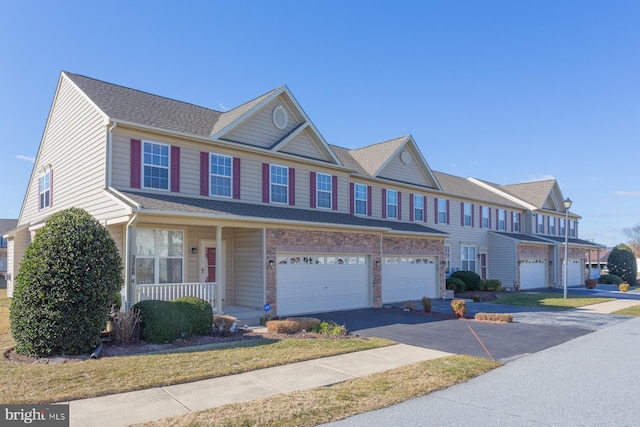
[334,193]
[312,189]
[352,198]
[424,203]
[136,147]
[448,216]
[497,220]
[410,207]
[435,210]
[175,169]
[462,214]
[236,178]
[399,205]
[473,215]
[384,203]
[292,186]
[204,173]
[265,183]
[369,202]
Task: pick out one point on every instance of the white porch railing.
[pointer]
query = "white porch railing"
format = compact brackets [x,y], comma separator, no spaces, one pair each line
[170,291]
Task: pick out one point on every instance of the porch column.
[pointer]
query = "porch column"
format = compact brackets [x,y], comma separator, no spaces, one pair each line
[219,269]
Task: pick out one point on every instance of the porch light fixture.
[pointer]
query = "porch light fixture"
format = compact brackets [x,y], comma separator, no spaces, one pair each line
[271,263]
[567,205]
[377,263]
[194,250]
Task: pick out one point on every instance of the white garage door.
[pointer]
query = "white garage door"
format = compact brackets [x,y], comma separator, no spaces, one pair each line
[316,283]
[533,273]
[408,278]
[575,272]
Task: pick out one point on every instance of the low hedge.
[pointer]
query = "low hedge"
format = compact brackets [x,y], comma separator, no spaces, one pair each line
[491,285]
[292,325]
[471,279]
[611,279]
[165,321]
[455,284]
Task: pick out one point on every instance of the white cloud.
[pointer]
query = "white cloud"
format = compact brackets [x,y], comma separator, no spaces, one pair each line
[627,193]
[222,106]
[541,178]
[27,158]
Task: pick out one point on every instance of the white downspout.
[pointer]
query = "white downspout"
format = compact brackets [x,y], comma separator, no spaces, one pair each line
[127,262]
[219,269]
[108,163]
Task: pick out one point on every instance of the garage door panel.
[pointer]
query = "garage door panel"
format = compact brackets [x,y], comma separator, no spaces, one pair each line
[409,279]
[314,285]
[533,273]
[575,272]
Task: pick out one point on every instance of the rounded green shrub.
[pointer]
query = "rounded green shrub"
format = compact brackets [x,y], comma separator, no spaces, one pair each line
[471,279]
[611,279]
[65,286]
[162,321]
[199,312]
[622,263]
[457,284]
[491,285]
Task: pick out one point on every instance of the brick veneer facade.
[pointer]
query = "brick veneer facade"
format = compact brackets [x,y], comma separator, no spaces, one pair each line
[371,244]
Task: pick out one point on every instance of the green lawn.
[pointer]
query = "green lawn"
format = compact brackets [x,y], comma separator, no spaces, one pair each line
[630,311]
[550,301]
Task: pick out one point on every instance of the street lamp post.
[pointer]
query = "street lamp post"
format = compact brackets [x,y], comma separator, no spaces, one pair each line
[567,205]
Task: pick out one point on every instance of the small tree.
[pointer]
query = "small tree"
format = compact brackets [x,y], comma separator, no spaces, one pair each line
[65,286]
[622,263]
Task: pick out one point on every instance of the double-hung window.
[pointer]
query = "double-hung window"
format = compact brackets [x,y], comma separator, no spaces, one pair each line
[467,214]
[468,258]
[552,226]
[279,184]
[485,216]
[323,190]
[572,228]
[502,219]
[44,185]
[442,211]
[155,165]
[562,226]
[540,224]
[220,168]
[418,208]
[515,221]
[360,199]
[392,204]
[159,256]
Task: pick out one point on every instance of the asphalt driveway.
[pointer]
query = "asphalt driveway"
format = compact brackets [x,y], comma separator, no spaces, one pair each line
[533,330]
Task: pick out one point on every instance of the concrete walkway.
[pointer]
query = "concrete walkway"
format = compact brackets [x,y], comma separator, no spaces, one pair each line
[162,402]
[609,307]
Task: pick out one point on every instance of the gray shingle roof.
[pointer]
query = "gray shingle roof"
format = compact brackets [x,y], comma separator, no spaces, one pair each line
[7,225]
[372,157]
[135,106]
[522,237]
[215,207]
[535,192]
[460,186]
[575,242]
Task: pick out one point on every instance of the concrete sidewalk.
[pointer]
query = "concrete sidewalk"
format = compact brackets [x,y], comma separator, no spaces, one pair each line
[162,402]
[609,306]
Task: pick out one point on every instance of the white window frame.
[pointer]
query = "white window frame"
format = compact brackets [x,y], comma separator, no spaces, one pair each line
[160,253]
[442,211]
[418,208]
[485,220]
[515,221]
[447,258]
[154,161]
[562,226]
[572,228]
[502,219]
[468,258]
[218,173]
[552,226]
[324,190]
[467,214]
[392,205]
[44,188]
[281,181]
[360,199]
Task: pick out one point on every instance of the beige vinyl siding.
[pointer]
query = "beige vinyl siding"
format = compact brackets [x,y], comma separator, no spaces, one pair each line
[303,146]
[503,263]
[259,129]
[398,171]
[16,248]
[249,265]
[117,234]
[192,262]
[74,145]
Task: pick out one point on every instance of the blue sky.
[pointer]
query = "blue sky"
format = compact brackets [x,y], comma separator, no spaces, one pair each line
[506,91]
